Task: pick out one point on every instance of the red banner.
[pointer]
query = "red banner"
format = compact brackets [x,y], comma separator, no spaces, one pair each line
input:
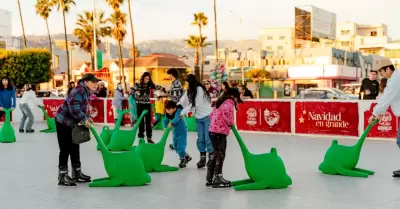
[51,106]
[334,118]
[97,110]
[387,126]
[110,112]
[263,116]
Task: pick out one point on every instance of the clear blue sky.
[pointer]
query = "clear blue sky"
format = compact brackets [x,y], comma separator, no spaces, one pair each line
[170,19]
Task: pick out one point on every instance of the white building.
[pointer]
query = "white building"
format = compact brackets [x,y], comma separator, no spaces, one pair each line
[276,39]
[7,41]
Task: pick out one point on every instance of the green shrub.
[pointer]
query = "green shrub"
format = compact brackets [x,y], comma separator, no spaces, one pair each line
[26,66]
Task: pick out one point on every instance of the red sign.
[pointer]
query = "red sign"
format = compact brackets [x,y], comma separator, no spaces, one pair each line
[334,118]
[264,116]
[97,110]
[51,106]
[387,126]
[110,112]
[3,118]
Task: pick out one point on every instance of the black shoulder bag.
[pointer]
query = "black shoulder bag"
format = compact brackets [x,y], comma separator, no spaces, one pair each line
[80,133]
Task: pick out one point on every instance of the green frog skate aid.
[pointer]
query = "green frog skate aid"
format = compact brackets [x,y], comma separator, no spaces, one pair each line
[51,122]
[152,155]
[7,133]
[124,168]
[106,133]
[265,170]
[122,140]
[342,160]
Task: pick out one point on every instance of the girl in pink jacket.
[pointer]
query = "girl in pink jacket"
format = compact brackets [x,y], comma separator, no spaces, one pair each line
[222,118]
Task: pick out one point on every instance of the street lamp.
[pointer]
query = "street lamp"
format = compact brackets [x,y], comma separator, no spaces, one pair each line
[241,43]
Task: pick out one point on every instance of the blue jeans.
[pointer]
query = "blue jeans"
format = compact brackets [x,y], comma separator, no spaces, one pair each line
[398,138]
[203,141]
[179,143]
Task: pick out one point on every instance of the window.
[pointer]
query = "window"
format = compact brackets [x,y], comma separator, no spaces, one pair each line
[279,47]
[345,43]
[345,32]
[282,37]
[270,38]
[374,33]
[57,61]
[269,47]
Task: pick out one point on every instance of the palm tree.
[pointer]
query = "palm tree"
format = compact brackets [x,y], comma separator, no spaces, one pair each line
[133,51]
[115,4]
[216,31]
[201,20]
[84,31]
[64,6]
[118,19]
[133,43]
[196,42]
[43,9]
[22,23]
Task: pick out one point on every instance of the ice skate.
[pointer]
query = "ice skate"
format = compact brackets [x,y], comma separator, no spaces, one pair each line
[64,179]
[202,162]
[220,182]
[78,176]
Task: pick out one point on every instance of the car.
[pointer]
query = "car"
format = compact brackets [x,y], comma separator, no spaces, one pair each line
[331,93]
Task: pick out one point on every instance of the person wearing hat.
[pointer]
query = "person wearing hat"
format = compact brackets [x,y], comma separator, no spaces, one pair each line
[390,96]
[74,110]
[222,119]
[369,89]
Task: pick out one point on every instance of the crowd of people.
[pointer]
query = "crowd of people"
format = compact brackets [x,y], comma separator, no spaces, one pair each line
[213,120]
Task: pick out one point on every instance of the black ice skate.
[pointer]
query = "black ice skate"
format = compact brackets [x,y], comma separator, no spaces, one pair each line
[185,161]
[220,182]
[202,162]
[150,141]
[171,147]
[78,176]
[209,177]
[396,174]
[64,179]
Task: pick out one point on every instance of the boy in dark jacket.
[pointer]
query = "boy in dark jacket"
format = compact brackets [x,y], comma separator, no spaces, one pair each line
[179,131]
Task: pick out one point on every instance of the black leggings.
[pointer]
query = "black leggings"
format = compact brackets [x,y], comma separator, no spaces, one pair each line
[219,144]
[67,148]
[146,123]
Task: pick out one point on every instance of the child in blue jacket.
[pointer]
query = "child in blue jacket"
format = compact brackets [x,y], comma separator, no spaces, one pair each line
[179,131]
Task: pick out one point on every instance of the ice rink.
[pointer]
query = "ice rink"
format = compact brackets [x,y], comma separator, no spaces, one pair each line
[28,178]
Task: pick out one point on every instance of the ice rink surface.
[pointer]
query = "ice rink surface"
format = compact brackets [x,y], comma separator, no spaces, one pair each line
[28,178]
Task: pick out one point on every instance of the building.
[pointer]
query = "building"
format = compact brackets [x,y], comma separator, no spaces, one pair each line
[7,41]
[276,39]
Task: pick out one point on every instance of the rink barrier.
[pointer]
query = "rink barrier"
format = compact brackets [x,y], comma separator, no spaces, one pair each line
[337,118]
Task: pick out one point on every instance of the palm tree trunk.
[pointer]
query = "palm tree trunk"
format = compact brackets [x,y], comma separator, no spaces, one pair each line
[216,31]
[66,45]
[196,64]
[133,44]
[202,55]
[22,23]
[51,54]
[121,66]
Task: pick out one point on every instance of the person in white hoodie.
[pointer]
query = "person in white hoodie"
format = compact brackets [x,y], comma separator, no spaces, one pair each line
[390,97]
[196,99]
[27,101]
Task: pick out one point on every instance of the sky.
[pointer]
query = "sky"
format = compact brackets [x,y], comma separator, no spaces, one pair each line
[170,19]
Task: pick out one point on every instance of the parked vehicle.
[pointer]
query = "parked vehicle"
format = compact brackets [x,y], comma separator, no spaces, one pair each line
[325,93]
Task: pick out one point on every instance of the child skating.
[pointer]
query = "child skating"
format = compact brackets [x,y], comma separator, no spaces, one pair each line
[179,131]
[222,119]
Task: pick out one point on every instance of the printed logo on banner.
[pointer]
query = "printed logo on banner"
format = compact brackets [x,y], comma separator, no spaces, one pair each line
[271,117]
[251,117]
[385,124]
[93,111]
